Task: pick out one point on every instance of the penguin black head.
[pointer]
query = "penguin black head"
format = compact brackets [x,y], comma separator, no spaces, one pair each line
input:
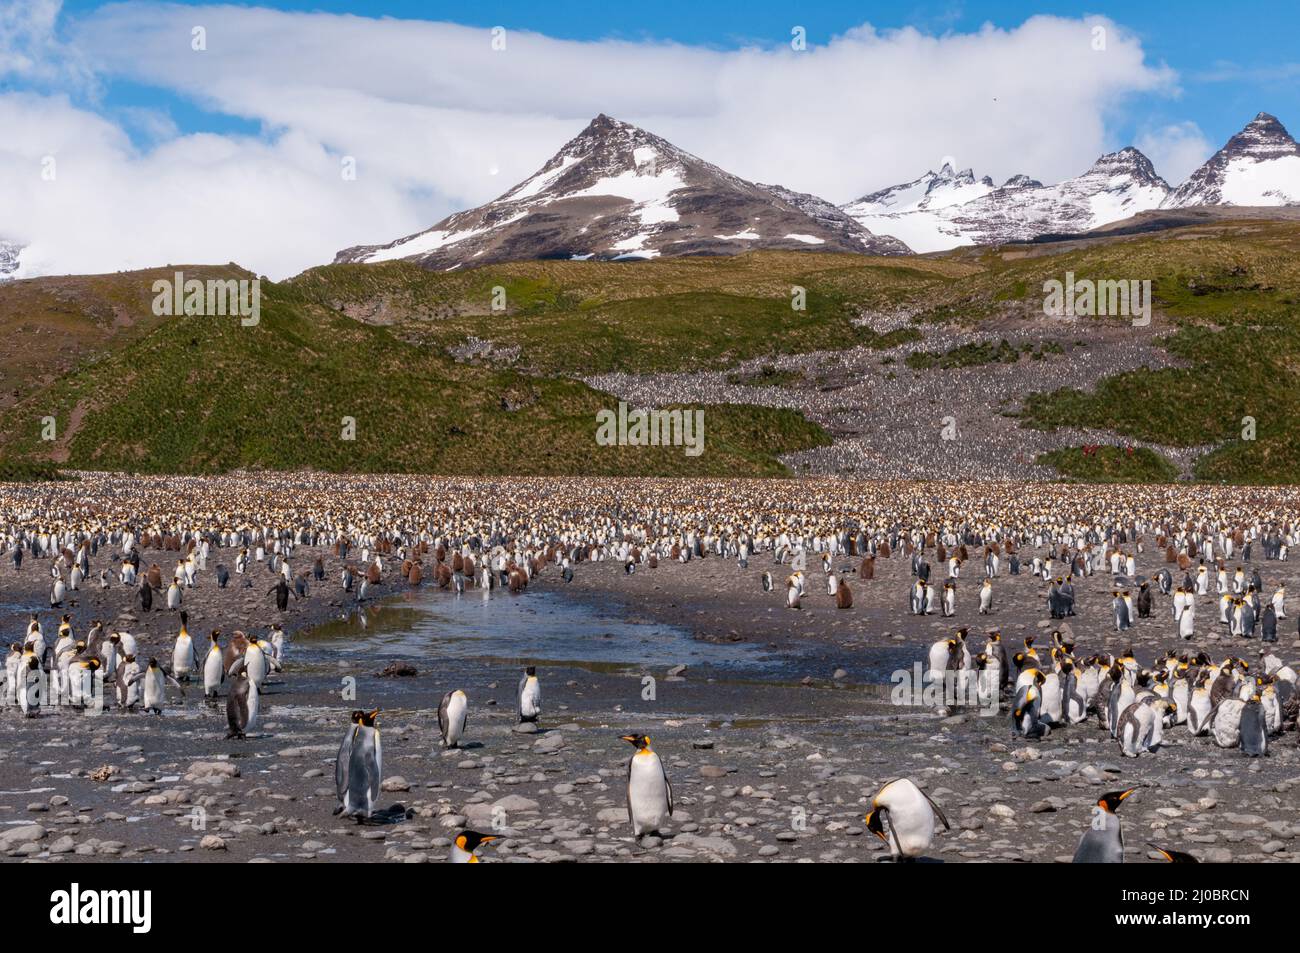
[531,671]
[875,823]
[366,718]
[1111,802]
[640,742]
[469,841]
[153,663]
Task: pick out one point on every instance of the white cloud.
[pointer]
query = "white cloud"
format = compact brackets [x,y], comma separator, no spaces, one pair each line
[1176,150]
[437,120]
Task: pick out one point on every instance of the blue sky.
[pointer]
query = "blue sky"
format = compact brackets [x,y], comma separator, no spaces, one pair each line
[1233,59]
[233,153]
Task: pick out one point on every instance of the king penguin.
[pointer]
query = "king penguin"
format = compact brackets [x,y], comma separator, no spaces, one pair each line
[452,716]
[214,669]
[241,703]
[359,767]
[466,842]
[530,695]
[649,793]
[911,814]
[1103,841]
[185,658]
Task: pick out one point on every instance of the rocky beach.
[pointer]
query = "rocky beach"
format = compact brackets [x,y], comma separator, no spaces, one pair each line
[775,726]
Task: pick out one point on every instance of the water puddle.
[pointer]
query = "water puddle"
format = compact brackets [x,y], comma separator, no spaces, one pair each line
[541,628]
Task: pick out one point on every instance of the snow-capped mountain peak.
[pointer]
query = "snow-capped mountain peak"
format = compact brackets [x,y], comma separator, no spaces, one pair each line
[956,209]
[617,191]
[1258,166]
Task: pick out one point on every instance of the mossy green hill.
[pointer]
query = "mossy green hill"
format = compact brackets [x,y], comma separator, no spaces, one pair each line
[479,370]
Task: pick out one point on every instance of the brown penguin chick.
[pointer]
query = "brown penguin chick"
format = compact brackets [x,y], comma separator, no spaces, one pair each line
[154,576]
[234,650]
[416,575]
[373,575]
[867,569]
[843,596]
[443,575]
[518,581]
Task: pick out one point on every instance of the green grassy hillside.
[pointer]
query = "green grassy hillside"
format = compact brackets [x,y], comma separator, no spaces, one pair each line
[208,394]
[376,343]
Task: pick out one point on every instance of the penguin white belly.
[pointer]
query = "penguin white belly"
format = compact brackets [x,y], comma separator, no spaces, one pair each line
[530,699]
[1227,723]
[914,838]
[647,793]
[938,659]
[212,672]
[182,656]
[153,691]
[254,706]
[456,709]
[255,663]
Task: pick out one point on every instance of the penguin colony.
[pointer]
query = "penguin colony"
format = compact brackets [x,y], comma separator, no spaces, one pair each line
[1197,549]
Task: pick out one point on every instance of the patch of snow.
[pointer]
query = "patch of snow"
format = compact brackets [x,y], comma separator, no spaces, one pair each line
[1270,182]
[540,181]
[807,239]
[426,242]
[748,235]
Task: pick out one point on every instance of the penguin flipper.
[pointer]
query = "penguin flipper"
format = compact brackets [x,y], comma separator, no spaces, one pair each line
[938,811]
[444,721]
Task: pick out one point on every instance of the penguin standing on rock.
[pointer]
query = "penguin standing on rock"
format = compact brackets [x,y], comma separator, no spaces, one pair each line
[767,582]
[1027,714]
[185,657]
[241,703]
[530,696]
[214,669]
[452,717]
[1103,841]
[282,593]
[1253,729]
[359,767]
[649,793]
[155,686]
[911,816]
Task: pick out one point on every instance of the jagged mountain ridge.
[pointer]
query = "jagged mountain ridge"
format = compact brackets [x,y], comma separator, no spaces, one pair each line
[1259,166]
[956,209]
[615,191]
